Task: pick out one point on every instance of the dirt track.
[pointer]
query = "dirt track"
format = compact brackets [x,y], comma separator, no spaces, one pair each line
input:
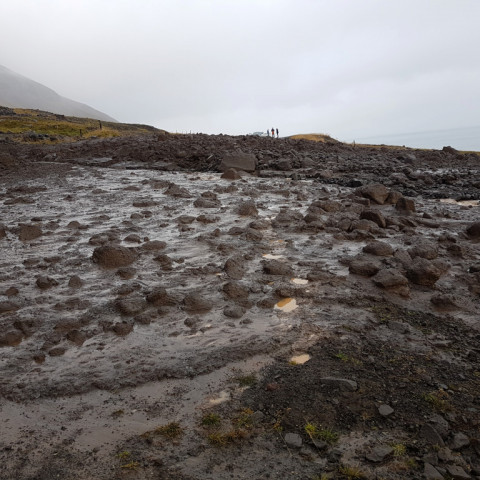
[139,288]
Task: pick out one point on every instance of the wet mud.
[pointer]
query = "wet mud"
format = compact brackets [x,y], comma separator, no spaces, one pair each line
[140,286]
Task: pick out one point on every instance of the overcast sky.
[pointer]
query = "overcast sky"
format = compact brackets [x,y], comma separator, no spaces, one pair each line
[349,68]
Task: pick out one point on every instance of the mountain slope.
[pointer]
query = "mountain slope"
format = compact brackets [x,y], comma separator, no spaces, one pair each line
[21,92]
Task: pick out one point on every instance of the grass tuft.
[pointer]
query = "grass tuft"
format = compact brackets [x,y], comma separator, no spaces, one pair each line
[316,433]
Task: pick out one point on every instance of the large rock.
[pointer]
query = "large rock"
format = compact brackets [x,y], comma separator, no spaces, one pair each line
[196,302]
[29,232]
[376,192]
[405,205]
[235,267]
[114,256]
[473,230]
[380,249]
[374,216]
[275,267]
[365,268]
[160,298]
[389,278]
[240,161]
[423,272]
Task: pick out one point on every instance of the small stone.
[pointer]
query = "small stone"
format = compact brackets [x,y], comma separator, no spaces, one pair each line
[340,383]
[75,282]
[385,410]
[7,306]
[379,454]
[293,440]
[460,440]
[46,282]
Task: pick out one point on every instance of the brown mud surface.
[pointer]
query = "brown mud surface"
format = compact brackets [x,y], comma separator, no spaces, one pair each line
[315,316]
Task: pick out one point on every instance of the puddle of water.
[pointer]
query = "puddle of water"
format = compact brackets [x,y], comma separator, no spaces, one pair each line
[466,203]
[300,359]
[286,305]
[272,257]
[299,281]
[223,396]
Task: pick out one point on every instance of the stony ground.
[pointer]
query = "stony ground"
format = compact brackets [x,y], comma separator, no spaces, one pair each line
[313,316]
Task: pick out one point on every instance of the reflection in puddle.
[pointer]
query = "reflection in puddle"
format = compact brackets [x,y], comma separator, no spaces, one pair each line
[272,257]
[466,203]
[286,305]
[300,359]
[299,281]
[223,396]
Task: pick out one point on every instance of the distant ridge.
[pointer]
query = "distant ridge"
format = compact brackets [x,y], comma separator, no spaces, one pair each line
[17,91]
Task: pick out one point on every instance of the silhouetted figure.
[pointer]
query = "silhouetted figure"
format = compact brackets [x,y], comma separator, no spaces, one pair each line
[277,132]
[273,133]
[268,133]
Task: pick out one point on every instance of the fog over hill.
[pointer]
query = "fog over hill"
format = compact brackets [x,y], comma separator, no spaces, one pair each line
[17,91]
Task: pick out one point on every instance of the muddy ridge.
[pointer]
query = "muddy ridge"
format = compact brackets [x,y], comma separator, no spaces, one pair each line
[287,308]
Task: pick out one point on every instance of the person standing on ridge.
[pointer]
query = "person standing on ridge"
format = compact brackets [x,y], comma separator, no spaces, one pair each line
[268,133]
[273,133]
[277,132]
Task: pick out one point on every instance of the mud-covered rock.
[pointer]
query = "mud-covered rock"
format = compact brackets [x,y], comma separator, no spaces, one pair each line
[28,232]
[378,248]
[75,282]
[235,267]
[473,230]
[197,302]
[8,306]
[247,209]
[423,272]
[11,338]
[160,297]
[114,256]
[43,282]
[374,216]
[276,267]
[365,267]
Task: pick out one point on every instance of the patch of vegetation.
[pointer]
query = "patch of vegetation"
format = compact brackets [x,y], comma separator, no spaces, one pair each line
[438,400]
[170,430]
[315,137]
[316,433]
[348,359]
[246,380]
[220,439]
[351,473]
[123,455]
[130,465]
[211,420]
[244,420]
[399,450]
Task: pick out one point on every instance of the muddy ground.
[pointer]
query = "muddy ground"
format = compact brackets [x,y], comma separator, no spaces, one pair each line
[314,317]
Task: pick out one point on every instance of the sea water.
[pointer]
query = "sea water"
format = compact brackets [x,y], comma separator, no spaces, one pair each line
[464,139]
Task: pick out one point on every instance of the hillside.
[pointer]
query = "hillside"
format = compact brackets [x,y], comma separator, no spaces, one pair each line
[27,126]
[18,91]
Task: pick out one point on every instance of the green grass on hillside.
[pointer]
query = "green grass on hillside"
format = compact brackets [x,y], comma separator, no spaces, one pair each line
[60,128]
